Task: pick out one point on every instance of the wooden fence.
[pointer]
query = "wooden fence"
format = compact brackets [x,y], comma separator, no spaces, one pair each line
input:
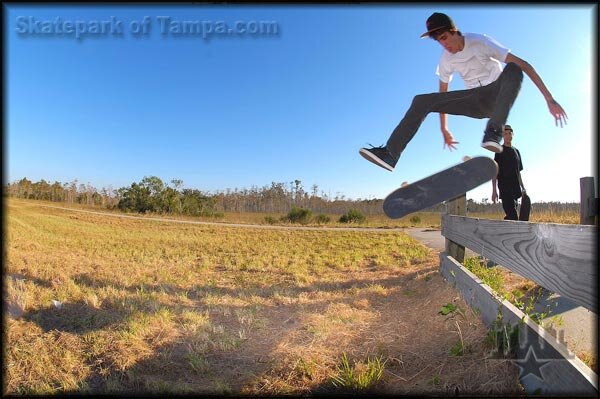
[561,258]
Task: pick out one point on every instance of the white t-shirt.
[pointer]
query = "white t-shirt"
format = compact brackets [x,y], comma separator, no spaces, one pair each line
[479,63]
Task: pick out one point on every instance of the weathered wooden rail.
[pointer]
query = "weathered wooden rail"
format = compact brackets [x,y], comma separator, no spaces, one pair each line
[561,258]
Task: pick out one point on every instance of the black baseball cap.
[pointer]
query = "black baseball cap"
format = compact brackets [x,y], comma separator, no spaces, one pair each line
[438,21]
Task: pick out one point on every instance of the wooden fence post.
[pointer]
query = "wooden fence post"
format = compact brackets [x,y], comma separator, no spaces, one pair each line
[588,205]
[456,206]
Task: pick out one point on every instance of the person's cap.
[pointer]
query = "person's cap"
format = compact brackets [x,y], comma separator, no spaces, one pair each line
[508,127]
[438,21]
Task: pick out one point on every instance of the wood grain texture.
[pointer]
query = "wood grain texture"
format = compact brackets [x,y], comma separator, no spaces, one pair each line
[562,373]
[560,258]
[456,206]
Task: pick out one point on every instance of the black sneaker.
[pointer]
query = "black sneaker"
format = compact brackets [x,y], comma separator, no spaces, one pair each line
[379,156]
[491,140]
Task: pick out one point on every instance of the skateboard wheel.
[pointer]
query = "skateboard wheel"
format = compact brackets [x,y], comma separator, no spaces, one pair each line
[404,184]
[466,158]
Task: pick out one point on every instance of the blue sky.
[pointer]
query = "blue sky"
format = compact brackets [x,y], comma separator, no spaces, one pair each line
[249,110]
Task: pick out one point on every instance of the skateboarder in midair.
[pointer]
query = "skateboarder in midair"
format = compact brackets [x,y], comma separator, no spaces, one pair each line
[491,90]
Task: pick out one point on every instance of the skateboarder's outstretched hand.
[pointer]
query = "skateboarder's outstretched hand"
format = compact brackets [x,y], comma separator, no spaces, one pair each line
[557,112]
[494,195]
[449,140]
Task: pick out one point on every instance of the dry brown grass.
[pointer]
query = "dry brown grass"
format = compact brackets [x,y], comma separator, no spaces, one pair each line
[405,329]
[106,305]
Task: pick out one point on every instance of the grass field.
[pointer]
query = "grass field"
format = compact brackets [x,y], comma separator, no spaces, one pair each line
[109,305]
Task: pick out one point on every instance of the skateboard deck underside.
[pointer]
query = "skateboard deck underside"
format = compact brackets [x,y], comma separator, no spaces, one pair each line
[439,187]
[525,208]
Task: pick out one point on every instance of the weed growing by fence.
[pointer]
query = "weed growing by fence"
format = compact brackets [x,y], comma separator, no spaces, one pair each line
[489,275]
[524,298]
[502,338]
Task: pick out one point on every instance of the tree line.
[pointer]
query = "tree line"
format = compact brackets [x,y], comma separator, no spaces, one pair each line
[72,192]
[153,195]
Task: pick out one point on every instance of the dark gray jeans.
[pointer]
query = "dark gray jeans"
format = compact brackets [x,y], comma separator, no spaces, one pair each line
[493,101]
[510,206]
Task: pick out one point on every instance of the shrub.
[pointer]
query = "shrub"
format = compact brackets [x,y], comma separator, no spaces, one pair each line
[322,219]
[299,215]
[270,220]
[415,219]
[353,216]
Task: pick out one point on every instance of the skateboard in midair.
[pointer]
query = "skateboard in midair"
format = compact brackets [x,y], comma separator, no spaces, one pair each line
[442,186]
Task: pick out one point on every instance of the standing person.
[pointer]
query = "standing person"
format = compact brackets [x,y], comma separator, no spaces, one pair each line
[491,90]
[509,179]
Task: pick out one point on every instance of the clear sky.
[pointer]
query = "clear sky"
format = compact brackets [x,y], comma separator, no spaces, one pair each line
[248,109]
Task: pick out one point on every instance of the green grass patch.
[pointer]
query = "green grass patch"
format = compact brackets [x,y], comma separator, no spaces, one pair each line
[489,275]
[359,376]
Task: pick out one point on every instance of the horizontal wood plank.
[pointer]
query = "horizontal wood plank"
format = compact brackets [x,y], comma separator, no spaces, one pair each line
[561,258]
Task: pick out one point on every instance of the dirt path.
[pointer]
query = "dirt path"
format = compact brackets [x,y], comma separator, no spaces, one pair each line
[251,226]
